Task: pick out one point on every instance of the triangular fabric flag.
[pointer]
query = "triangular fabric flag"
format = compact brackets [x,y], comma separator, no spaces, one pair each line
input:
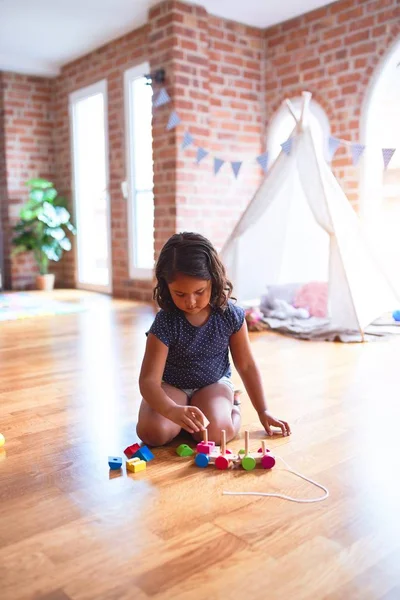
[201,153]
[236,167]
[356,152]
[387,154]
[333,145]
[287,146]
[187,140]
[162,98]
[218,162]
[263,161]
[173,121]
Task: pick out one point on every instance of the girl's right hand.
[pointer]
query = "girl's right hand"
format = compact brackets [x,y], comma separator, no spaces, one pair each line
[189,418]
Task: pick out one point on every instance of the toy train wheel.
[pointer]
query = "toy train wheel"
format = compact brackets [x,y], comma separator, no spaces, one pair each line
[248,463]
[267,461]
[221,463]
[202,460]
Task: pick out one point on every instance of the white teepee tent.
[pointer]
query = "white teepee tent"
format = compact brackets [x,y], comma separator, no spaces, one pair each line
[300,227]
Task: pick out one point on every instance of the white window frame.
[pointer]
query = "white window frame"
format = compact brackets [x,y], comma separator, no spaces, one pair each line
[100,87]
[371,182]
[129,76]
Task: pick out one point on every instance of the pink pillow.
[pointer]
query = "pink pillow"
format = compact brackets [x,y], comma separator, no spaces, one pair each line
[314,297]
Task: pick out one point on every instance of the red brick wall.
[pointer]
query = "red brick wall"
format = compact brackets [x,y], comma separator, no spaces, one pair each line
[237,117]
[28,127]
[162,44]
[214,71]
[332,52]
[232,57]
[226,80]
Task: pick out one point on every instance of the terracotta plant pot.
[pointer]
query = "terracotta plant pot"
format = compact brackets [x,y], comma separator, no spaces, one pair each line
[45,282]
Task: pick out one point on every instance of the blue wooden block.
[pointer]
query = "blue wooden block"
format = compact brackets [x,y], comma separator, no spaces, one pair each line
[144,454]
[114,462]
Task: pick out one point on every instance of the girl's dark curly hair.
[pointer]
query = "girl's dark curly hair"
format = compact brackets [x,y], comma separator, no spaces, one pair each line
[193,255]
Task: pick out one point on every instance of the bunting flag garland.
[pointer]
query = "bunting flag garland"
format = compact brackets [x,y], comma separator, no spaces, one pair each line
[218,162]
[333,145]
[236,167]
[162,98]
[173,121]
[356,153]
[387,154]
[187,140]
[263,161]
[201,153]
[287,146]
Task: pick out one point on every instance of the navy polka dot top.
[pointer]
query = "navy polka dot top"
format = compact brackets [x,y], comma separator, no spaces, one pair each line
[197,356]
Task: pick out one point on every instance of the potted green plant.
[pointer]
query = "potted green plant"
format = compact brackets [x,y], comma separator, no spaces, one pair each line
[43,228]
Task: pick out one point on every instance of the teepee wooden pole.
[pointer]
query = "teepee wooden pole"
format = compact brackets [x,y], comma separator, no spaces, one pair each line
[306,102]
[291,110]
[331,237]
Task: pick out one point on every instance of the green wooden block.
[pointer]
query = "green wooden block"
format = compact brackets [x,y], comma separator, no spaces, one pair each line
[184,450]
[248,463]
[242,451]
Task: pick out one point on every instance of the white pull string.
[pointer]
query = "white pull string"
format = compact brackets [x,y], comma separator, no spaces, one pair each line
[283,496]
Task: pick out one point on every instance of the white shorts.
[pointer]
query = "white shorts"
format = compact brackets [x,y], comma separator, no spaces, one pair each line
[225,380]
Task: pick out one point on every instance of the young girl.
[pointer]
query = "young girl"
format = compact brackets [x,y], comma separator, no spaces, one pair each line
[185,374]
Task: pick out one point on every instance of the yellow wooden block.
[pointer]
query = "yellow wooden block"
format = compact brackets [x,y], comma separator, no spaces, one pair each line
[135,465]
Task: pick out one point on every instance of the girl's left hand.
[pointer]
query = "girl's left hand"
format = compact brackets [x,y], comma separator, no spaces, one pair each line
[267,420]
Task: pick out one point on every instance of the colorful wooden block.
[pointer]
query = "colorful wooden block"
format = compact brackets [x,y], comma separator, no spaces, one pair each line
[144,454]
[184,450]
[202,460]
[131,450]
[206,422]
[114,462]
[135,465]
[205,447]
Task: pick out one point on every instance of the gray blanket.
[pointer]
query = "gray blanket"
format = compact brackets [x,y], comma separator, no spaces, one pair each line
[322,330]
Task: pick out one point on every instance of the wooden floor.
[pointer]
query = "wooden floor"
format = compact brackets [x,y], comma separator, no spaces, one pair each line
[68,530]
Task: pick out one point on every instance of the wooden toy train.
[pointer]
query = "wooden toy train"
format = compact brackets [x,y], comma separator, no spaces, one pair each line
[222,458]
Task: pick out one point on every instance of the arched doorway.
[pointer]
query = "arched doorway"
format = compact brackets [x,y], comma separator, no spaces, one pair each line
[282,124]
[380,189]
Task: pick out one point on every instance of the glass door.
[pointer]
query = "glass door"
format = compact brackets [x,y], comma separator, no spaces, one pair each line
[88,111]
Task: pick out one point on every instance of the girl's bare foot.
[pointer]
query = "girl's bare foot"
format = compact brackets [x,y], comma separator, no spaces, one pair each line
[236,397]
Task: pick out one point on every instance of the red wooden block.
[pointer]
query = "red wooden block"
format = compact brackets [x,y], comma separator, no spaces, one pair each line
[131,450]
